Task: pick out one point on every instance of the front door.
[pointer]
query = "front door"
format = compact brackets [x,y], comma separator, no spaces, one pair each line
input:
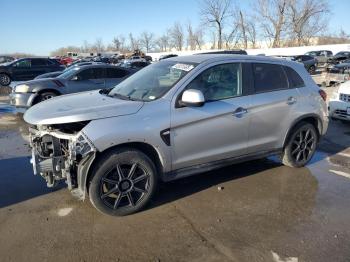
[219,129]
[86,80]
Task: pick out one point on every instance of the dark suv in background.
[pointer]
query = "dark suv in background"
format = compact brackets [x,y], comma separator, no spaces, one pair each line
[27,69]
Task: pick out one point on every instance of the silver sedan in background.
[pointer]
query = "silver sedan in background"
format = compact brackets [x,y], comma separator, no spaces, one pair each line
[78,79]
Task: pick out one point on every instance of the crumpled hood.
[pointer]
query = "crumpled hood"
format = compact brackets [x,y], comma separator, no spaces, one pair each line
[79,107]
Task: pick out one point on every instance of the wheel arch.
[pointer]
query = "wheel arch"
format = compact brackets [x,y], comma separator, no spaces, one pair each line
[313,119]
[147,149]
[41,91]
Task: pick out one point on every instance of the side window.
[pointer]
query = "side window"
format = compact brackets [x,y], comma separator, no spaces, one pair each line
[99,73]
[39,62]
[269,77]
[26,63]
[86,74]
[295,81]
[116,73]
[219,82]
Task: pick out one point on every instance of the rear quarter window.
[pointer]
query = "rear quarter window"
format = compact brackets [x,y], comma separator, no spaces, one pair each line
[269,77]
[294,79]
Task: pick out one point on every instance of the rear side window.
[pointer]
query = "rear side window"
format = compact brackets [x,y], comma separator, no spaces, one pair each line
[39,62]
[295,81]
[269,77]
[24,63]
[116,73]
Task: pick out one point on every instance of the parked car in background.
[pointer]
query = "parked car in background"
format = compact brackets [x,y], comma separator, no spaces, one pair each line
[26,69]
[6,59]
[57,73]
[342,68]
[66,60]
[322,57]
[136,59]
[148,58]
[308,61]
[340,57]
[339,103]
[175,118]
[162,57]
[134,64]
[101,59]
[78,79]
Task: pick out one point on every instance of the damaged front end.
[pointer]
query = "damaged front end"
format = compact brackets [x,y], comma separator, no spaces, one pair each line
[62,152]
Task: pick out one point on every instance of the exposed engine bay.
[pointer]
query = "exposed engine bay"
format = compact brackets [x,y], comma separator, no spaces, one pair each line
[59,151]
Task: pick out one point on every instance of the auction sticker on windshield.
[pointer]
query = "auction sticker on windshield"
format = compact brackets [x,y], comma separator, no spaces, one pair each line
[183,67]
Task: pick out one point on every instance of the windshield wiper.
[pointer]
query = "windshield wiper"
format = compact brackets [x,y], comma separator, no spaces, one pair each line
[124,97]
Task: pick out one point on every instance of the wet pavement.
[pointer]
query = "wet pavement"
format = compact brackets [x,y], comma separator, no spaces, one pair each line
[263,211]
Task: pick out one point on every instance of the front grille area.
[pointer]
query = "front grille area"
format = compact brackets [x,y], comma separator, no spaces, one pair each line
[344,97]
[341,112]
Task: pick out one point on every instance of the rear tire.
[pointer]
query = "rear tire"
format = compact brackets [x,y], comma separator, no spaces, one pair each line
[123,182]
[301,145]
[5,80]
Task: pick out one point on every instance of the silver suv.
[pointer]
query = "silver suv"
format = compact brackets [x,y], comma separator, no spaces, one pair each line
[175,118]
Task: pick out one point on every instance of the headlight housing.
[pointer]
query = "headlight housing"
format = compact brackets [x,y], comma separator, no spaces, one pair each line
[22,88]
[81,146]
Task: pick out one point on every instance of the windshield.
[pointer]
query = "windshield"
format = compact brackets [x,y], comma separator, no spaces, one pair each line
[69,72]
[153,81]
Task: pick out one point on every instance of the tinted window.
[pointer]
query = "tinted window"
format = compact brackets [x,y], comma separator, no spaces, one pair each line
[39,62]
[98,73]
[269,77]
[219,82]
[116,73]
[86,74]
[23,63]
[294,79]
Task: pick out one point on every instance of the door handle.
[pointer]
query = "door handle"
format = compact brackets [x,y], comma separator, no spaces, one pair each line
[291,100]
[239,112]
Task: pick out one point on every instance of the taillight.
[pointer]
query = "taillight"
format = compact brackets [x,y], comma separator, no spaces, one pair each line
[323,94]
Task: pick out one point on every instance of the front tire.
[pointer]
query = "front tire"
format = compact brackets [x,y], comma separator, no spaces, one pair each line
[123,182]
[301,145]
[5,80]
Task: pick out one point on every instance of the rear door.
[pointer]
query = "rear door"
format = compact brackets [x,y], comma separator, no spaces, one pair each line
[217,130]
[39,66]
[273,107]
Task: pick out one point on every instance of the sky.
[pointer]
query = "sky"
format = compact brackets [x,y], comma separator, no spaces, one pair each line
[41,26]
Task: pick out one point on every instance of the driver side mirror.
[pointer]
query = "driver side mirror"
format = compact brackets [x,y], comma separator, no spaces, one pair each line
[192,97]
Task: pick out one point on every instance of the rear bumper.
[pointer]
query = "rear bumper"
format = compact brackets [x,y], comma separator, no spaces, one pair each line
[338,109]
[23,100]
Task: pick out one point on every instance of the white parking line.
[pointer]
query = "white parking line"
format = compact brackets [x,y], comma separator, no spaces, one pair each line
[64,211]
[277,258]
[340,173]
[343,154]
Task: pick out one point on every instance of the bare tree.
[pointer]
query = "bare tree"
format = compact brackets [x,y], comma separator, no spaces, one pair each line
[191,42]
[214,13]
[147,40]
[272,14]
[163,42]
[98,46]
[119,43]
[177,36]
[86,47]
[134,43]
[307,19]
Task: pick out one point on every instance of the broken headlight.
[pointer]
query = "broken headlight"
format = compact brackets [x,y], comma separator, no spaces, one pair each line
[81,147]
